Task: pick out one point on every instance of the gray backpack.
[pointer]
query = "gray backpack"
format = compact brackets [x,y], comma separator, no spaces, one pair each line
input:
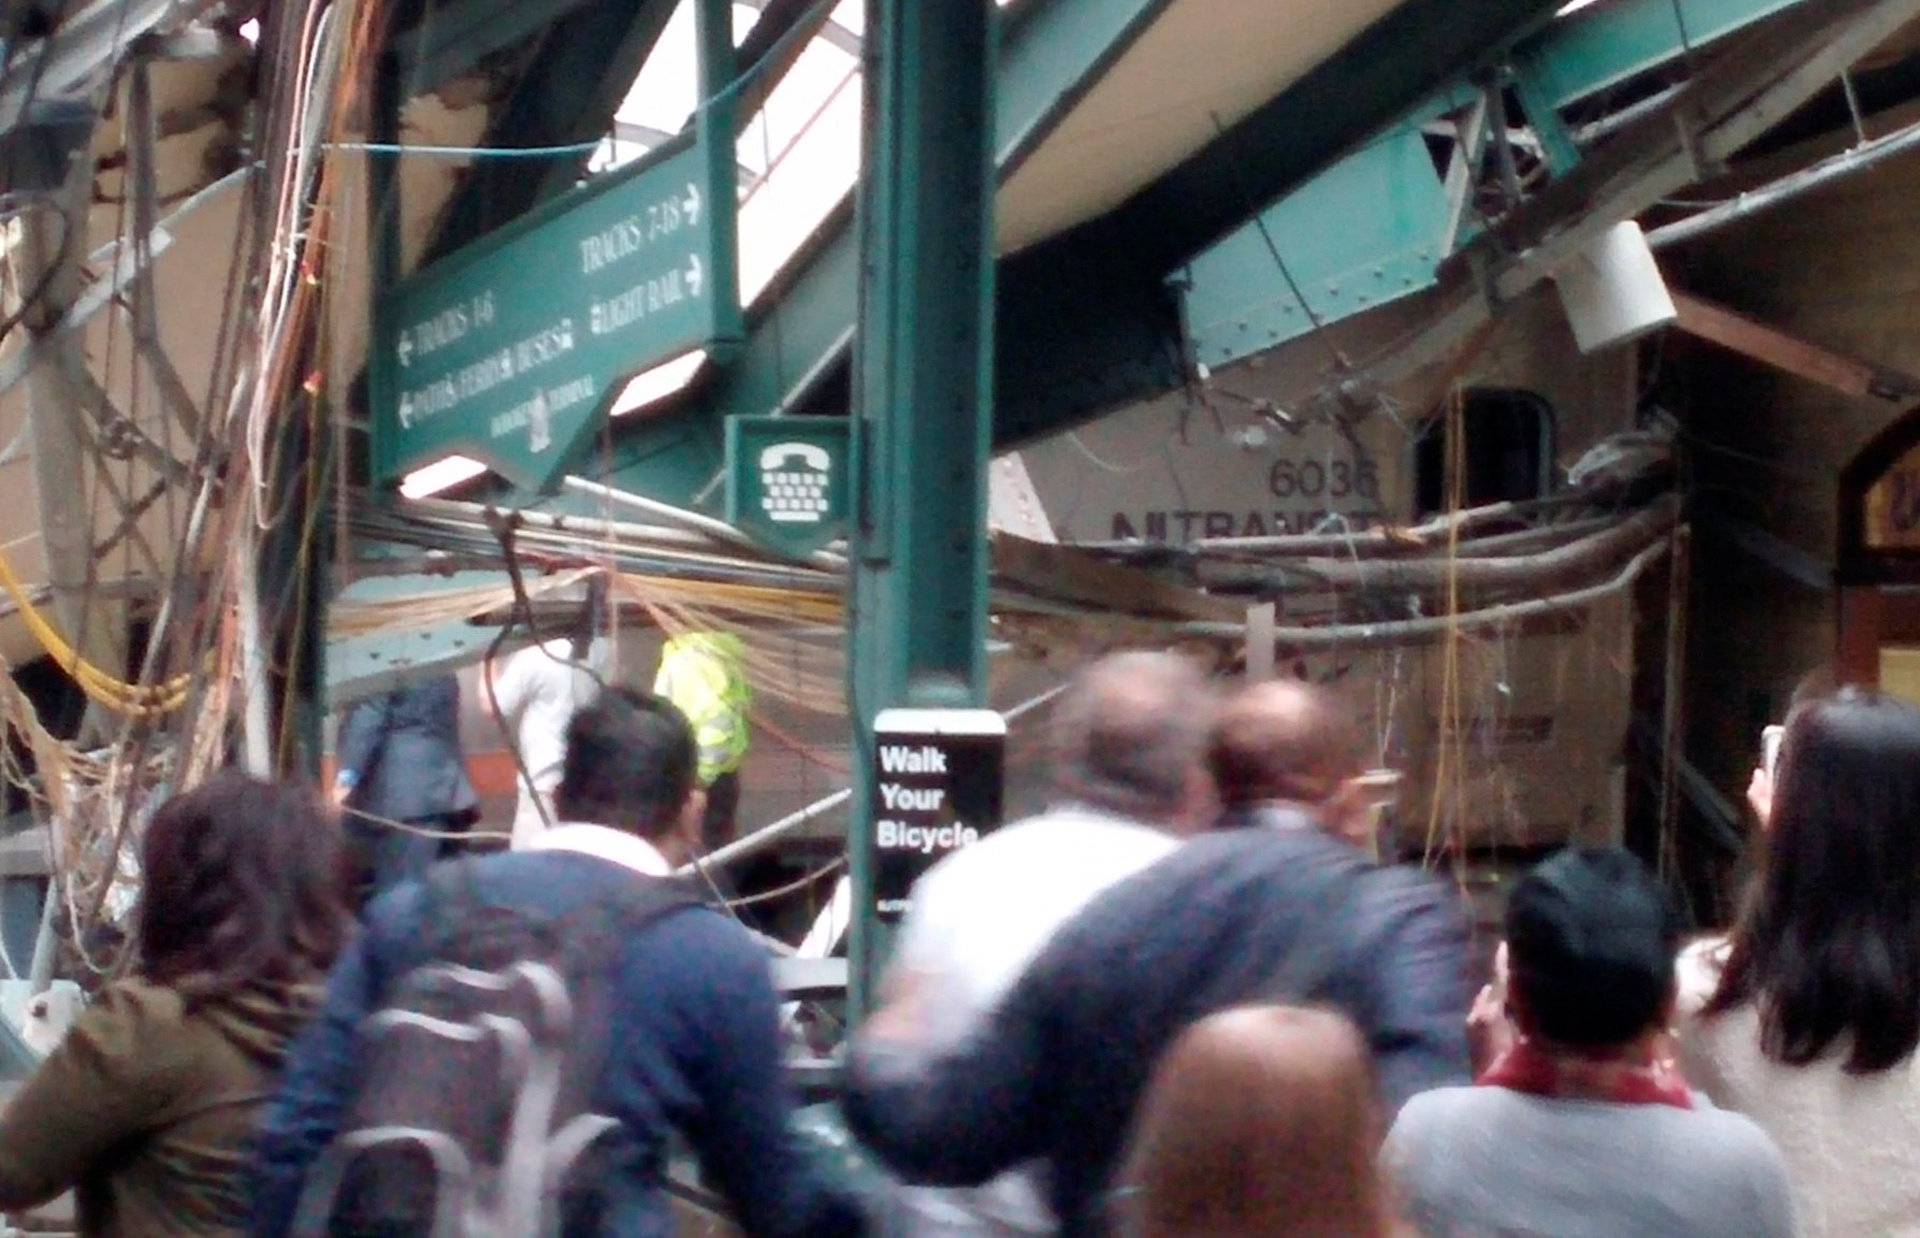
[474,1113]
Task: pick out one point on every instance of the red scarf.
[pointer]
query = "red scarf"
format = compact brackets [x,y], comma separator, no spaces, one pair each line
[1539,1070]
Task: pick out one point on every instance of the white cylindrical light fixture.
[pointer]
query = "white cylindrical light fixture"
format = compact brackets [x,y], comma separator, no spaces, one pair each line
[1612,291]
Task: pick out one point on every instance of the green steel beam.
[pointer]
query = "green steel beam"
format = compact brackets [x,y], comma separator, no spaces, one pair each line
[1366,86]
[586,64]
[1557,146]
[449,39]
[1389,200]
[496,194]
[1601,46]
[362,666]
[588,55]
[784,31]
[716,116]
[1393,211]
[922,390]
[1051,52]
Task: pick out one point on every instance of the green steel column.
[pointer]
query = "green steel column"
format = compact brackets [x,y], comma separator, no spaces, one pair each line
[922,392]
[717,120]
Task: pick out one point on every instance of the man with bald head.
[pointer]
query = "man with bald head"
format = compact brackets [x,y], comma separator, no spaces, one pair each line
[1128,739]
[1288,914]
[1286,755]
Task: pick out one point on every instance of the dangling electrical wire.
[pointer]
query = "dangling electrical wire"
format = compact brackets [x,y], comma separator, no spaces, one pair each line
[1447,803]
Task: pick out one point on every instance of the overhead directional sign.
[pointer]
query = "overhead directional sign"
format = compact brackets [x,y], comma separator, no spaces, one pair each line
[508,350]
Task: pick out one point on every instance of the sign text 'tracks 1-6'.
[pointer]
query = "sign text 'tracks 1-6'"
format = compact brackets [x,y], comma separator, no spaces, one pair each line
[507,350]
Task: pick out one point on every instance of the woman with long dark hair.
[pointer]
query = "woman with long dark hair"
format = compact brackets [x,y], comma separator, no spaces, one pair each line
[147,1107]
[1808,1013]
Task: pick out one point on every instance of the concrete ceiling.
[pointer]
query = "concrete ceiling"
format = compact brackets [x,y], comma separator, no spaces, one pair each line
[1201,66]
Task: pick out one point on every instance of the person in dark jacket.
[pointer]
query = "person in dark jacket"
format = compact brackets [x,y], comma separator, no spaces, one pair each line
[400,760]
[147,1107]
[1285,914]
[698,1046]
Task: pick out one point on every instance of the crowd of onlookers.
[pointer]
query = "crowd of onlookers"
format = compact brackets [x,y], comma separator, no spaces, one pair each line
[1187,1000]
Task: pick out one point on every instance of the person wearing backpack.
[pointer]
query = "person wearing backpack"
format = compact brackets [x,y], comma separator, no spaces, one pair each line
[145,1108]
[532,1026]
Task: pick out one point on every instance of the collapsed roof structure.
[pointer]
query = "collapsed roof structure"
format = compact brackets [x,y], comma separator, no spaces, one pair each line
[208,204]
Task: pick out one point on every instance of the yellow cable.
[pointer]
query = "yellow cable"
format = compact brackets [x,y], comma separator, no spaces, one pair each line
[135,700]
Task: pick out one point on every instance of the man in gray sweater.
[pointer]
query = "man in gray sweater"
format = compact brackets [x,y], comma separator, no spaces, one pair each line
[1581,1126]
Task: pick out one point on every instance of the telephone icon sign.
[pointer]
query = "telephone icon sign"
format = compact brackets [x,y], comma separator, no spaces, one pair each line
[789,480]
[794,478]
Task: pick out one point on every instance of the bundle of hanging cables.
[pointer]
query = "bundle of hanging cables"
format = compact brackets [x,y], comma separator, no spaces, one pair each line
[132,700]
[159,729]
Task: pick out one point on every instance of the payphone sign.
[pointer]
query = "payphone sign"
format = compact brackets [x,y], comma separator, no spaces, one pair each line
[788,480]
[938,783]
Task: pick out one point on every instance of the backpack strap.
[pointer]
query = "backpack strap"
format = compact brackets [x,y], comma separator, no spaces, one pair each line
[451,897]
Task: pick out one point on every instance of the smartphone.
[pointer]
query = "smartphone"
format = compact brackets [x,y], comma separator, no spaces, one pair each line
[1770,738]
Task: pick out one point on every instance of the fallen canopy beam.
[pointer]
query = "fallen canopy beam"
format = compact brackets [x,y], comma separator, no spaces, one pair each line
[1349,637]
[1753,201]
[1734,99]
[1784,351]
[1541,570]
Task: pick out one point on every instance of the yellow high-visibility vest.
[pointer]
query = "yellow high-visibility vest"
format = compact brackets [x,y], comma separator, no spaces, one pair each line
[704,674]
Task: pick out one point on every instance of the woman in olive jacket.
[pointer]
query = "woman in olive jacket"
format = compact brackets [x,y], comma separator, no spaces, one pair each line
[148,1106]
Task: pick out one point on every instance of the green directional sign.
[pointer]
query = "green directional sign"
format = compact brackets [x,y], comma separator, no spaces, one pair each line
[788,480]
[508,350]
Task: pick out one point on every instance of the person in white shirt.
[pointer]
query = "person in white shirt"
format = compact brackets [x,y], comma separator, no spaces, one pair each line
[537,691]
[1129,740]
[1806,1015]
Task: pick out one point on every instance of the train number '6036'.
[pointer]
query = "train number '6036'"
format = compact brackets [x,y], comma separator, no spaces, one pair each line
[1335,479]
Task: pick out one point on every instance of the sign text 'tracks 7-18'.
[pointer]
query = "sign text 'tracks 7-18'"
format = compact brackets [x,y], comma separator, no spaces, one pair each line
[507,350]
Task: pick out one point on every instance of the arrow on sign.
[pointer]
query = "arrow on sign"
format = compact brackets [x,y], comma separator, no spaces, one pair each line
[692,203]
[695,275]
[405,348]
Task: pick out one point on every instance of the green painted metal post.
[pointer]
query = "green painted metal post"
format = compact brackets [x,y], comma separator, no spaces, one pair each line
[717,121]
[922,394]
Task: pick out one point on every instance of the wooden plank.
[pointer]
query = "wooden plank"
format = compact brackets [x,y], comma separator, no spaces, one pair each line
[1858,654]
[1772,346]
[1261,622]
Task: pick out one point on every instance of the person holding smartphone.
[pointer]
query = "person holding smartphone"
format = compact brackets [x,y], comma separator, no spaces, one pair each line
[1760,785]
[1806,1015]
